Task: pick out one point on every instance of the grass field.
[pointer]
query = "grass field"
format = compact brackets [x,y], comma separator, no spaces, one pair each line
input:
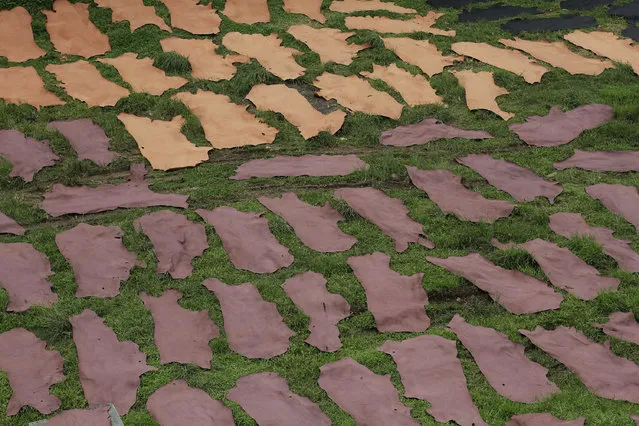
[209,186]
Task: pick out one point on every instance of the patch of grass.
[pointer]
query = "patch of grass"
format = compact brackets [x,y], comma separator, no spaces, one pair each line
[173,63]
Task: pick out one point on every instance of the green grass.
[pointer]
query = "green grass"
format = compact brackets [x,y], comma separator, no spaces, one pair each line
[209,186]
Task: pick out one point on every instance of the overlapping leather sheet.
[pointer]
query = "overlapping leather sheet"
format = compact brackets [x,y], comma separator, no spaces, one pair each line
[135,12]
[267,398]
[430,371]
[181,335]
[621,325]
[557,23]
[296,109]
[620,199]
[23,85]
[420,53]
[189,15]
[110,370]
[357,94]
[602,161]
[329,43]
[99,259]
[248,240]
[383,24]
[545,419]
[87,139]
[559,55]
[142,75]
[225,124]
[10,226]
[515,291]
[304,165]
[247,11]
[315,226]
[268,51]
[627,10]
[253,327]
[72,32]
[206,64]
[371,399]
[509,60]
[163,143]
[426,131]
[572,225]
[27,155]
[604,373]
[415,89]
[445,189]
[176,403]
[482,92]
[396,301]
[493,13]
[82,80]
[310,8]
[583,4]
[608,45]
[521,183]
[23,275]
[559,128]
[388,214]
[504,363]
[16,37]
[350,6]
[31,370]
[176,241]
[308,291]
[84,199]
[567,271]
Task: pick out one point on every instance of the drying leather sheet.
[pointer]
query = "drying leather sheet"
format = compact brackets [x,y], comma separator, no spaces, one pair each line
[420,53]
[16,37]
[254,328]
[357,94]
[415,89]
[515,291]
[84,199]
[296,109]
[445,189]
[482,92]
[23,275]
[315,226]
[176,240]
[27,155]
[31,370]
[559,128]
[509,60]
[426,131]
[571,225]
[308,291]
[521,183]
[72,32]
[248,240]
[87,139]
[225,124]
[99,259]
[23,85]
[181,335]
[176,404]
[163,143]
[396,301]
[304,165]
[390,215]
